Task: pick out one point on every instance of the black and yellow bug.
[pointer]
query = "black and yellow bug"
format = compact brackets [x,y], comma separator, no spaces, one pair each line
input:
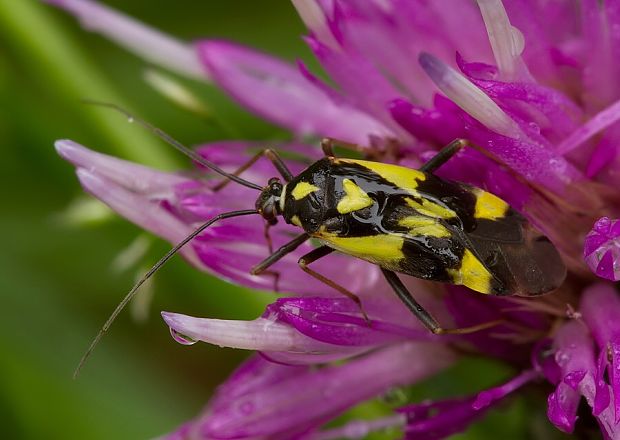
[403,220]
[412,222]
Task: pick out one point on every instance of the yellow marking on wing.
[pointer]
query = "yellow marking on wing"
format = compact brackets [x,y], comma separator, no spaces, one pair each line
[405,178]
[472,274]
[379,249]
[302,189]
[489,206]
[430,209]
[354,199]
[419,225]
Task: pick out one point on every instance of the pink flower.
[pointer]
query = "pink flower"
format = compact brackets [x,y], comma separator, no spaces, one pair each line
[532,82]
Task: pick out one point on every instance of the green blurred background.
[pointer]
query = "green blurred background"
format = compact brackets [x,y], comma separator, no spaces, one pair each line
[57,277]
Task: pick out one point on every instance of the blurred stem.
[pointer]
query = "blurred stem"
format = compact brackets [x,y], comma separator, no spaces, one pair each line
[39,40]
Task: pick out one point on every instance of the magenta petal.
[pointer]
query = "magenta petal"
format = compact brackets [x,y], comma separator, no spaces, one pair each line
[603,395]
[602,249]
[547,110]
[430,125]
[562,407]
[359,429]
[544,362]
[468,308]
[339,321]
[604,155]
[487,397]
[253,375]
[574,378]
[280,93]
[436,420]
[613,349]
[278,409]
[600,306]
[575,357]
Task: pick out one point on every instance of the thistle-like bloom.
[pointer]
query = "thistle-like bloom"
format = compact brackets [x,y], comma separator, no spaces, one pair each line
[533,82]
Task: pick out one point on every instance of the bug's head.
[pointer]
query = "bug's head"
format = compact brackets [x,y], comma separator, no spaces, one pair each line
[268,203]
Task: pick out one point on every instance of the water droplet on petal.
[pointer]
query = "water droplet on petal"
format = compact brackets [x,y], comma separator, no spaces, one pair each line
[561,358]
[181,338]
[534,127]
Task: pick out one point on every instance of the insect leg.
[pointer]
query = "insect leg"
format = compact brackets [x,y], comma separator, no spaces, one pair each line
[279,254]
[415,307]
[321,252]
[278,163]
[444,155]
[328,144]
[275,274]
[447,152]
[421,313]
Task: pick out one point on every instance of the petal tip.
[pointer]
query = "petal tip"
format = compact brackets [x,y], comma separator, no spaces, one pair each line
[169,318]
[67,149]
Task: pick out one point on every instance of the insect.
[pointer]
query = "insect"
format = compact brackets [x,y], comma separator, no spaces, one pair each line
[403,220]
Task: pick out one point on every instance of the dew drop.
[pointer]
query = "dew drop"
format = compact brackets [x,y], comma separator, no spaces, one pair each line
[130,119]
[561,358]
[181,338]
[534,127]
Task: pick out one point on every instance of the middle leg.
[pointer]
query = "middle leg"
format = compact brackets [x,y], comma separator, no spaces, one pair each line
[321,252]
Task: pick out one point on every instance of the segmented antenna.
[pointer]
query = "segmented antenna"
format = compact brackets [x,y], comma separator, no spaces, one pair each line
[176,144]
[148,275]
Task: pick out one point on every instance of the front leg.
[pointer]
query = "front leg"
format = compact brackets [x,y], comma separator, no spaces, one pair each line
[272,155]
[279,254]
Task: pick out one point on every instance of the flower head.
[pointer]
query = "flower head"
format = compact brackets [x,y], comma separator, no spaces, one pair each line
[533,83]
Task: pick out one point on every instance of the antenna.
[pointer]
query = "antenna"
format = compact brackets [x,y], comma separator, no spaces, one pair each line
[176,144]
[148,275]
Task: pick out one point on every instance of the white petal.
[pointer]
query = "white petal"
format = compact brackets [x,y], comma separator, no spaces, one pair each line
[469,97]
[506,40]
[260,334]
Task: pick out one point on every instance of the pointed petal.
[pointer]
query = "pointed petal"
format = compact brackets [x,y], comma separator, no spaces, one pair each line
[281,411]
[359,429]
[144,41]
[134,177]
[280,93]
[261,334]
[469,97]
[139,210]
[506,40]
